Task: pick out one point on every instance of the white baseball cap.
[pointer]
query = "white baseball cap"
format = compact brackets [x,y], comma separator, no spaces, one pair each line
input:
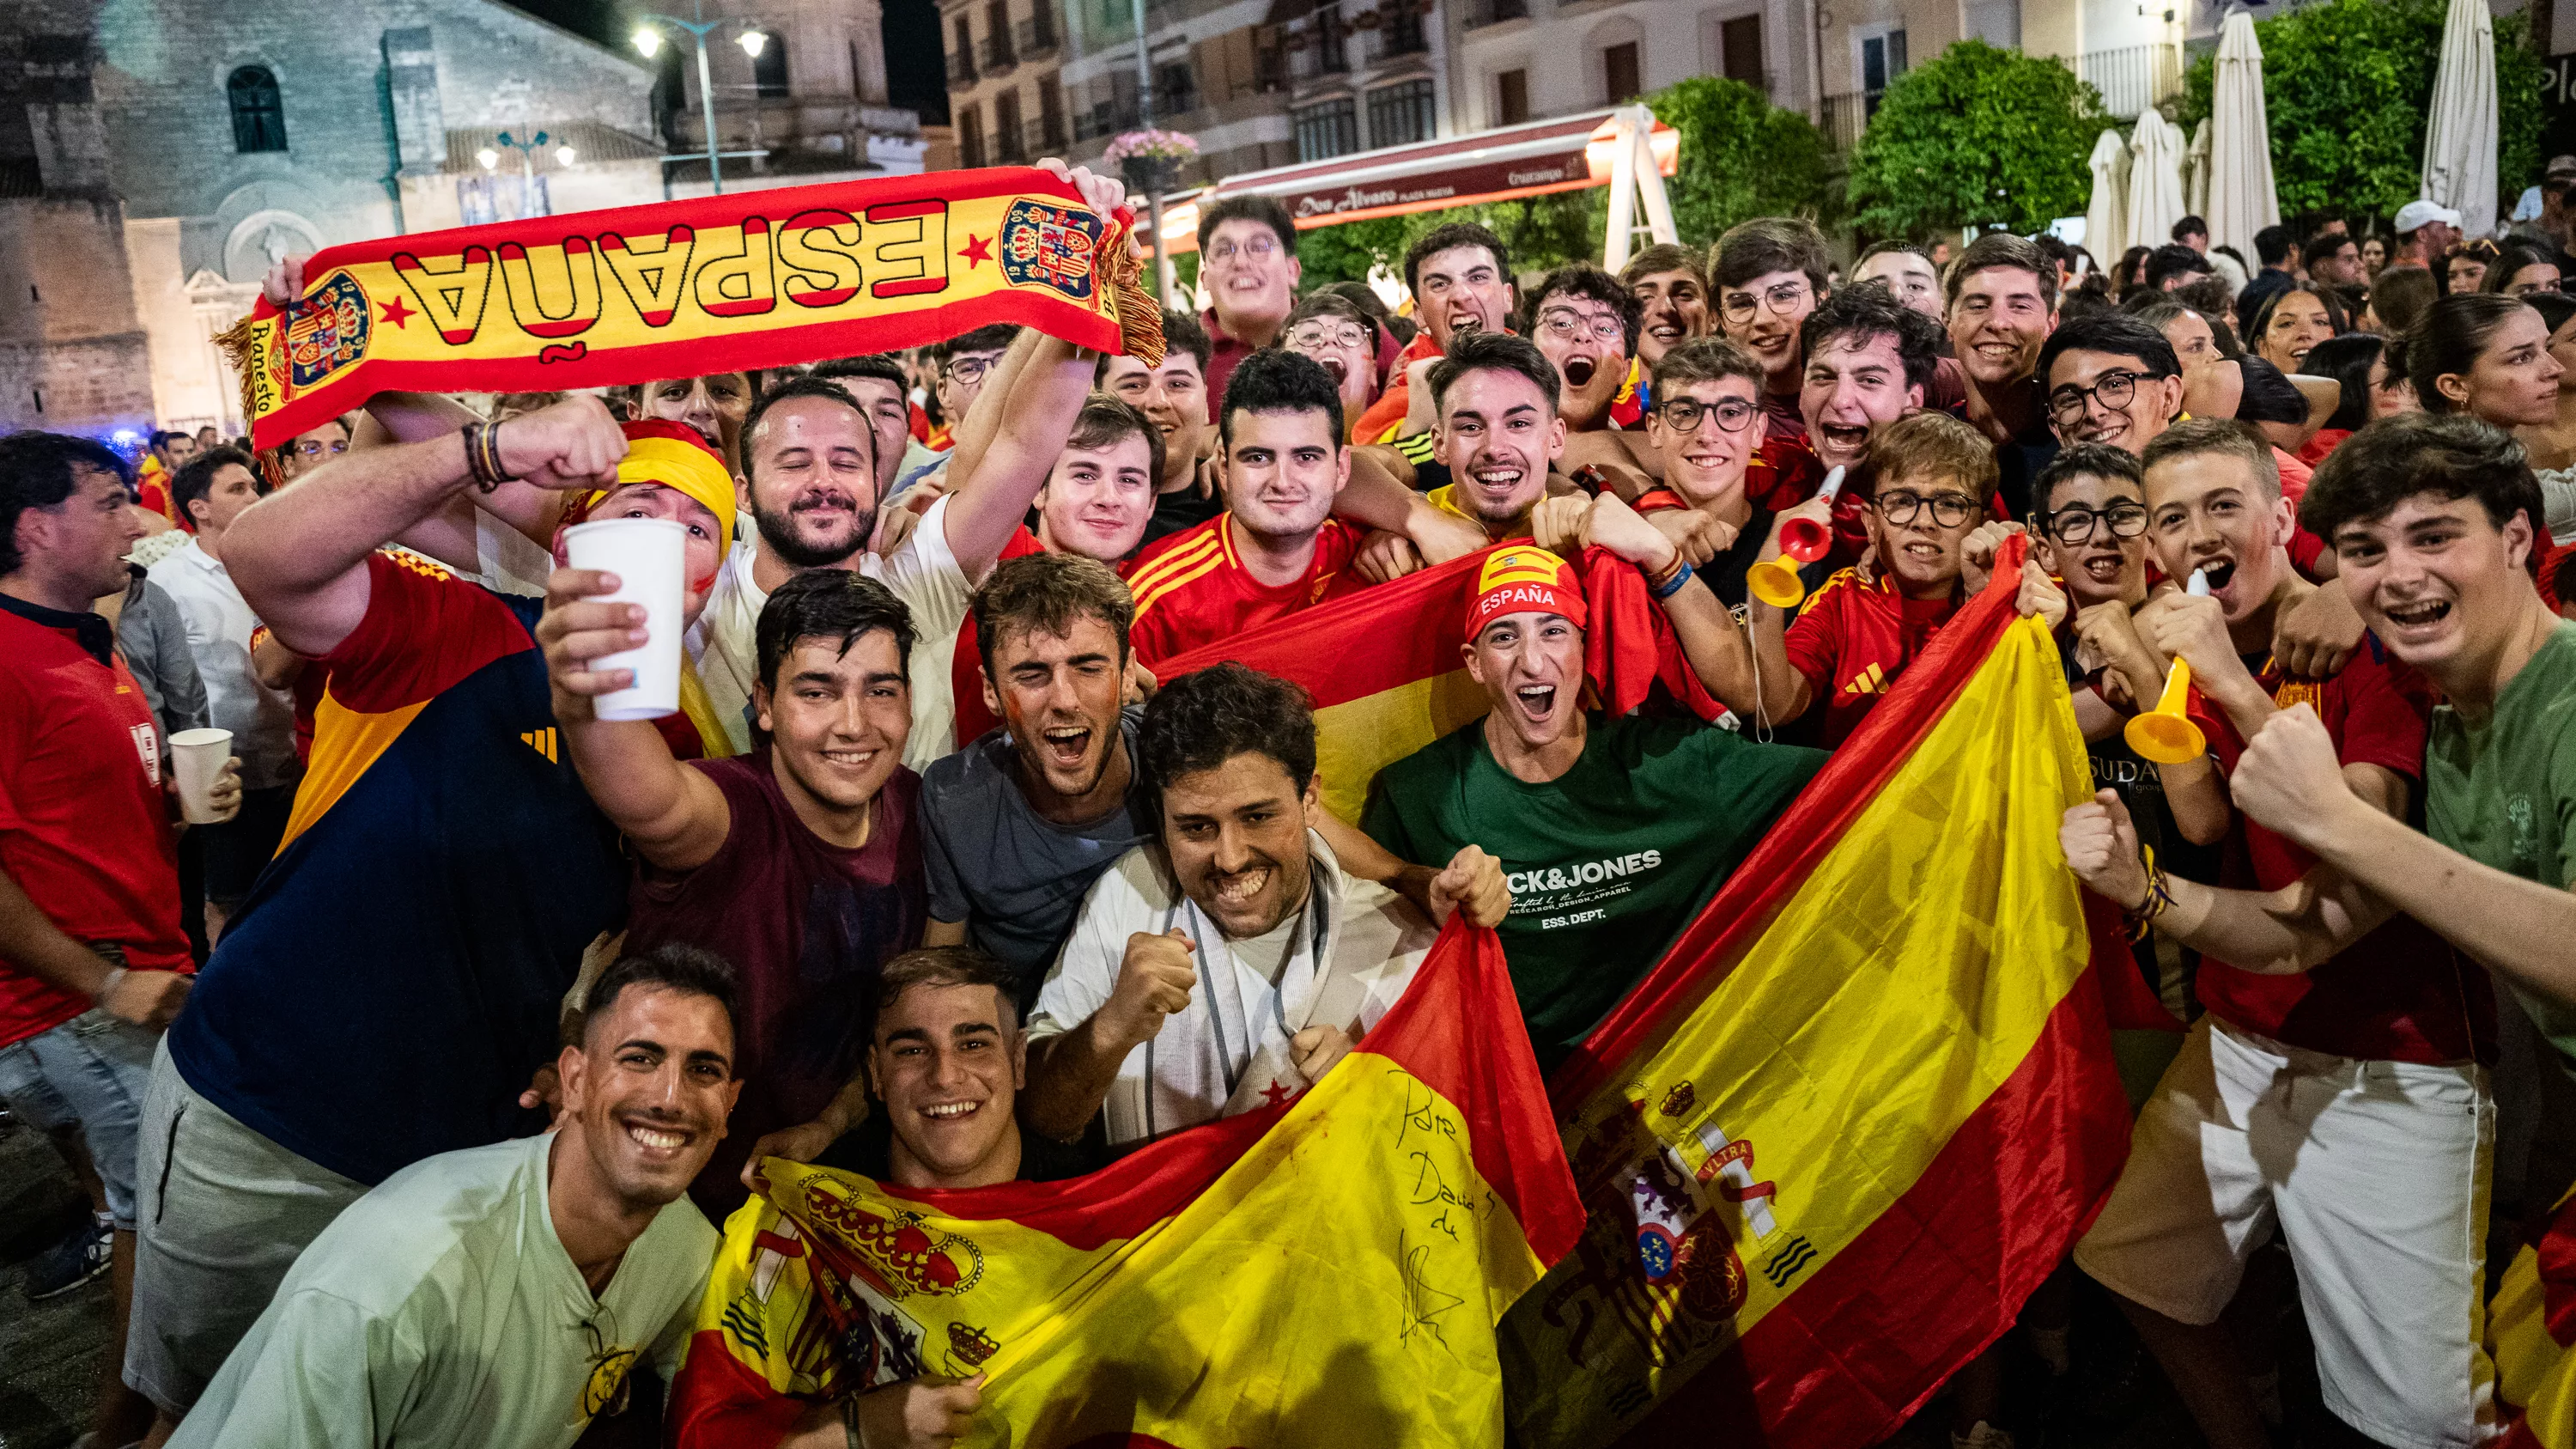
[2415,213]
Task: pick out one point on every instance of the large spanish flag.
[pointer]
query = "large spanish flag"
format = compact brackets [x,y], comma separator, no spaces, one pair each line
[1328,1271]
[1866,1102]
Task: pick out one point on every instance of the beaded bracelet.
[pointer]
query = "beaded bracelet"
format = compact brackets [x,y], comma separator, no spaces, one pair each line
[2142,917]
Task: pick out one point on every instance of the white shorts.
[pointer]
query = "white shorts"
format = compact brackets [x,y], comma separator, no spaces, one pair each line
[2376,1172]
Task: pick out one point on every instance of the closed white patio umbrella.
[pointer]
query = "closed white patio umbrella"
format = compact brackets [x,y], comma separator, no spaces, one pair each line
[2155,180]
[2106,217]
[2241,199]
[2460,134]
[2195,173]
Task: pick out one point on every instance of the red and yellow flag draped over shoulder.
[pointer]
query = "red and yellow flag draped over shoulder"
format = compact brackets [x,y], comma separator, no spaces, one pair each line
[715,284]
[1310,1274]
[1864,1104]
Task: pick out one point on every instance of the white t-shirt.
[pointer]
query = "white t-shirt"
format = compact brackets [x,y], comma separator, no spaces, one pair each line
[441,1309]
[219,627]
[1227,1052]
[923,573]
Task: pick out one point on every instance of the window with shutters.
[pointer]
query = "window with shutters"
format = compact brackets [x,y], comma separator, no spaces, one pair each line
[1327,130]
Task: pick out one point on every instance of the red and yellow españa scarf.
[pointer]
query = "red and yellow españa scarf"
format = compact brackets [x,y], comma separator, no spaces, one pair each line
[682,288]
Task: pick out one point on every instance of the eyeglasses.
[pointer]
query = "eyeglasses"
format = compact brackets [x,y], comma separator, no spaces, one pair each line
[1948,509]
[1321,334]
[2066,405]
[2074,525]
[1683,415]
[968,369]
[315,447]
[1259,249]
[1780,301]
[1569,324]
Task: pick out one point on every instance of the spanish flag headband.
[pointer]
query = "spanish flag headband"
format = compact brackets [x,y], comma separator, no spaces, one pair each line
[1520,579]
[673,455]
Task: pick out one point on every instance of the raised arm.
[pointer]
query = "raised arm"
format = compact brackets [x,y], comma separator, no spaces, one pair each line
[1071,1072]
[990,491]
[675,816]
[299,555]
[2515,926]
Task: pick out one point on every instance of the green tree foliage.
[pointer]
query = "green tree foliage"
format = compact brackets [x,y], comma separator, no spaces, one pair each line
[2347,88]
[1978,137]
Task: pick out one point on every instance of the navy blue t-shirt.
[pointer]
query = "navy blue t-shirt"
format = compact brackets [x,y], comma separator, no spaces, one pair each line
[394,979]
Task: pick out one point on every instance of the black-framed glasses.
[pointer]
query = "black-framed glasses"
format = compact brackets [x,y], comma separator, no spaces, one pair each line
[2075,523]
[1948,509]
[1779,301]
[1683,415]
[968,369]
[2066,405]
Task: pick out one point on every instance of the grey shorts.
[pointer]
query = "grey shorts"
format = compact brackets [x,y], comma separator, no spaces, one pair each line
[90,1072]
[222,1214]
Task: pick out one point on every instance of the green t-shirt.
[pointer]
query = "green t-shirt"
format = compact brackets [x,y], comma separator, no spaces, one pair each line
[2504,793]
[1606,863]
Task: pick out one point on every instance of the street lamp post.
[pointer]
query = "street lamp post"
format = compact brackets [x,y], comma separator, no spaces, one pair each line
[527,150]
[752,40]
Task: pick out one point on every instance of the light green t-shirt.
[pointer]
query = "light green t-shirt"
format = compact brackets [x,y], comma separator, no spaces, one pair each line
[2504,793]
[441,1309]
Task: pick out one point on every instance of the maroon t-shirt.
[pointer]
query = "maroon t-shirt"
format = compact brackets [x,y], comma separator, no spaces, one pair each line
[808,926]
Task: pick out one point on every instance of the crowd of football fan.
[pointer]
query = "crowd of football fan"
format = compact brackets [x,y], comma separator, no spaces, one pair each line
[947,873]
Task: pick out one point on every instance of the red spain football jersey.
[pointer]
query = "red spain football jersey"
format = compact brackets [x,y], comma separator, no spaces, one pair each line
[1194,589]
[1851,642]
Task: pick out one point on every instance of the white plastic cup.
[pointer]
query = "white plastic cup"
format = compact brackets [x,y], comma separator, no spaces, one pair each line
[197,757]
[650,557]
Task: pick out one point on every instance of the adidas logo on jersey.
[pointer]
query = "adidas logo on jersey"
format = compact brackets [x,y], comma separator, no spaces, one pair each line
[1868,681]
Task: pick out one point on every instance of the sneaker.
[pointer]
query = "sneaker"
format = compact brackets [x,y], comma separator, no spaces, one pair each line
[84,1257]
[1982,1436]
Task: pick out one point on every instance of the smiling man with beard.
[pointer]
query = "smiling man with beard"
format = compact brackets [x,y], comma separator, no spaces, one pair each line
[802,858]
[809,456]
[1230,963]
[1613,831]
[502,1296]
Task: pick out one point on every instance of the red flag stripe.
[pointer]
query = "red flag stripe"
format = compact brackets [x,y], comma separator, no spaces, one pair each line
[1930,1283]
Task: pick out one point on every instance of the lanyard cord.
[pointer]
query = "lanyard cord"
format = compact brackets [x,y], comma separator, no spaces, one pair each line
[1319,934]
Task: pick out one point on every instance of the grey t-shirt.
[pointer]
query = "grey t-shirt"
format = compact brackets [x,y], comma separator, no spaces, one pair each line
[1016,878]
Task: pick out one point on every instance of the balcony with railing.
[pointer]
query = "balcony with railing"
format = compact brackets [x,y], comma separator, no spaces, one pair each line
[1397,33]
[961,68]
[1846,116]
[1318,45]
[1043,136]
[997,57]
[1035,36]
[2132,77]
[1011,144]
[970,150]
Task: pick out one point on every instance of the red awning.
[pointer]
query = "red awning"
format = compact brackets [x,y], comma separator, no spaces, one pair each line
[1501,165]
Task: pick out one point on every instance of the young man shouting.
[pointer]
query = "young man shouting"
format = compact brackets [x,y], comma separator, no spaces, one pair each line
[1461,279]
[1227,966]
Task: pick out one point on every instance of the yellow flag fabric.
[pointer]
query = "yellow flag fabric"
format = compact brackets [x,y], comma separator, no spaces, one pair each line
[2531,1327]
[1307,1275]
[712,284]
[1829,1163]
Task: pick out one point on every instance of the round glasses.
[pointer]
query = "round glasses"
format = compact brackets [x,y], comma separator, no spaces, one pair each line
[2075,524]
[2066,405]
[1569,324]
[1683,415]
[1948,509]
[1318,335]
[1780,301]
